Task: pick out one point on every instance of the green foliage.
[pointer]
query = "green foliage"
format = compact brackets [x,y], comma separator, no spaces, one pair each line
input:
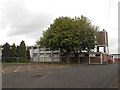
[22,53]
[6,53]
[70,34]
[28,55]
[13,53]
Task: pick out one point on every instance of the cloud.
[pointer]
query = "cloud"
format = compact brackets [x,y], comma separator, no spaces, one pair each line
[20,20]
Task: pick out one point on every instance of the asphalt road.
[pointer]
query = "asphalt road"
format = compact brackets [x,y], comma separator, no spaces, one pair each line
[52,76]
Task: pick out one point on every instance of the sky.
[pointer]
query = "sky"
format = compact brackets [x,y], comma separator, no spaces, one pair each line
[26,19]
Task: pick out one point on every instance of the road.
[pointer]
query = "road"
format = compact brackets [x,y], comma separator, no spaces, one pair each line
[53,76]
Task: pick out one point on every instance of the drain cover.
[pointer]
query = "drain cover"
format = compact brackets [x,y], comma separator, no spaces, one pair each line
[40,75]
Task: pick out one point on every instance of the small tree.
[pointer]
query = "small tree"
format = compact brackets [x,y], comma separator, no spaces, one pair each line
[6,53]
[22,53]
[14,53]
[28,55]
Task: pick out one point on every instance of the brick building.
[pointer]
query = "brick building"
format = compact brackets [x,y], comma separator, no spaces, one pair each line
[116,57]
[98,57]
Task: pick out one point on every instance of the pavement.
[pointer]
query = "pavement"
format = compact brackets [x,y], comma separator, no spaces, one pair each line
[59,76]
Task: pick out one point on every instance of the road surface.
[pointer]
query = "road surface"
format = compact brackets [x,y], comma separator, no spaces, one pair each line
[59,76]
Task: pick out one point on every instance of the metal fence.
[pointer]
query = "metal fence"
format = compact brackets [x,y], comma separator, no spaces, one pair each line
[41,58]
[14,59]
[44,55]
[46,58]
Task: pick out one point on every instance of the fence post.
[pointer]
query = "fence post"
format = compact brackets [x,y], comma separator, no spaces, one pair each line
[38,53]
[101,58]
[89,57]
[32,53]
[44,55]
[51,56]
[59,56]
[78,58]
[17,60]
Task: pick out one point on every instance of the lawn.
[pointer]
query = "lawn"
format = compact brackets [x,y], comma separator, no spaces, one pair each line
[11,63]
[14,63]
[62,63]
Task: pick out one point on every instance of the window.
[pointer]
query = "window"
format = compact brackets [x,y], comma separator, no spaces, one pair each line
[41,53]
[48,53]
[35,54]
[97,54]
[118,56]
[56,53]
[86,54]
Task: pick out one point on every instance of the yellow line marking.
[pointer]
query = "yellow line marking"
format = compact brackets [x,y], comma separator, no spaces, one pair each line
[29,67]
[34,69]
[6,69]
[22,70]
[37,66]
[3,71]
[17,69]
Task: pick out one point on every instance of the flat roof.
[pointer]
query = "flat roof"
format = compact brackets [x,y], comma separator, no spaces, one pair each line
[115,54]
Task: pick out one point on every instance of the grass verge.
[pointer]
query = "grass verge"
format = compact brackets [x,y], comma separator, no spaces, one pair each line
[61,63]
[12,63]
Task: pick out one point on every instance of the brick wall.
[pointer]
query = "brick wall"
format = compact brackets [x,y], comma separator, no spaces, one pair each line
[107,58]
[102,37]
[95,60]
[84,59]
[117,59]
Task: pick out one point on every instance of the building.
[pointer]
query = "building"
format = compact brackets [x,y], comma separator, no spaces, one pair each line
[38,54]
[101,56]
[103,41]
[116,57]
[95,57]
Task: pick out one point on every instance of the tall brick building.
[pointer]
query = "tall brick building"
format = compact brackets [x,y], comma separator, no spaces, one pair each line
[103,41]
[99,57]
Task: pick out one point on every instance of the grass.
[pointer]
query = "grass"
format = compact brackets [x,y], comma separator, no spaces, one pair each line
[12,63]
[15,63]
[0,63]
[61,63]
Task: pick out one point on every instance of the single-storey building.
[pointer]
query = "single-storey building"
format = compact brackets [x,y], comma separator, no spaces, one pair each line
[116,57]
[38,54]
[91,58]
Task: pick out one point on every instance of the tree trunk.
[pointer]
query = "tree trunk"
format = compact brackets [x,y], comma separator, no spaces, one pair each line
[67,57]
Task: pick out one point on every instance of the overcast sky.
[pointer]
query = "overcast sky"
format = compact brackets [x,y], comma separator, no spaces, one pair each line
[26,19]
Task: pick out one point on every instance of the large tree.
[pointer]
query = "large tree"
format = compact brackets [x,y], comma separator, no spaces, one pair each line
[22,52]
[70,34]
[6,53]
